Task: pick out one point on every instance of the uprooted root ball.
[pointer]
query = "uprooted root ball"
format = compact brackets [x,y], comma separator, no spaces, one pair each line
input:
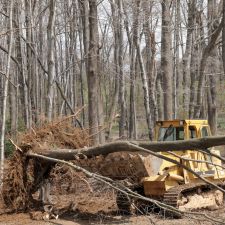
[24,175]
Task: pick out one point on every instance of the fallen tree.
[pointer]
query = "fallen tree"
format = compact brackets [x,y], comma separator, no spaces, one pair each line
[120,146]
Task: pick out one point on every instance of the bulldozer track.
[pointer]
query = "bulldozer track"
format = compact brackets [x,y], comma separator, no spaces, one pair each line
[171,197]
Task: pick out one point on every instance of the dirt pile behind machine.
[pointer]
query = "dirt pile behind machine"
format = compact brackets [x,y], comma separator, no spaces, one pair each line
[122,165]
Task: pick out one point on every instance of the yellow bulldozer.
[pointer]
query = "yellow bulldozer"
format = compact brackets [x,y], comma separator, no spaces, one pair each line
[169,182]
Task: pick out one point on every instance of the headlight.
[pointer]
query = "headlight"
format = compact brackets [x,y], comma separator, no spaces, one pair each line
[181,122]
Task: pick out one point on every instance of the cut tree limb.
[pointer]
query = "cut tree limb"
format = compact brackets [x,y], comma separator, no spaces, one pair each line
[118,146]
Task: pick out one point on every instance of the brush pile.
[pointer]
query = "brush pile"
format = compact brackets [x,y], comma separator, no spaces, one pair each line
[23,175]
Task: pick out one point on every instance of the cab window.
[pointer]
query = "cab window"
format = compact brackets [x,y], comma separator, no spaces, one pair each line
[192,132]
[171,133]
[204,132]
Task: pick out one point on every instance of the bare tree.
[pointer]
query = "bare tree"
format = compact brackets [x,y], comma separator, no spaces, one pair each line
[223,37]
[6,85]
[176,61]
[84,35]
[133,55]
[122,104]
[213,67]
[166,59]
[205,54]
[187,55]
[149,34]
[51,60]
[92,75]
[115,97]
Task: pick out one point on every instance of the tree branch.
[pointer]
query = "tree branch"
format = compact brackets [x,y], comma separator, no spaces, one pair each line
[195,160]
[13,58]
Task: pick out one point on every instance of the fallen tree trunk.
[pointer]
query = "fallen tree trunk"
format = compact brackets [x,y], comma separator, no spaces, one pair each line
[105,149]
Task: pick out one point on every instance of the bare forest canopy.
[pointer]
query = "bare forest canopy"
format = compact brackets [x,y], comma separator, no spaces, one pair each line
[130,62]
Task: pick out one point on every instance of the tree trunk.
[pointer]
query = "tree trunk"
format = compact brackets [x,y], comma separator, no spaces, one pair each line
[99,74]
[223,37]
[92,75]
[6,85]
[83,68]
[150,62]
[145,90]
[29,61]
[122,122]
[159,96]
[40,52]
[193,75]
[166,60]
[213,68]
[51,61]
[133,69]
[101,116]
[113,107]
[212,109]
[84,12]
[13,107]
[206,53]
[176,60]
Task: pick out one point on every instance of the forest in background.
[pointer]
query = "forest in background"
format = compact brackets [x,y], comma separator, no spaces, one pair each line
[123,63]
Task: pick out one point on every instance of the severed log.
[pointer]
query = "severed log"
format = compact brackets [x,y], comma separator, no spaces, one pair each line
[119,146]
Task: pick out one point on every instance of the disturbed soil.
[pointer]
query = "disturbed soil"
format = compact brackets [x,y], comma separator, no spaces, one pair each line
[96,216]
[90,202]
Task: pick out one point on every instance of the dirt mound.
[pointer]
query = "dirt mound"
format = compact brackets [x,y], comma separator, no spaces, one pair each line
[23,175]
[129,166]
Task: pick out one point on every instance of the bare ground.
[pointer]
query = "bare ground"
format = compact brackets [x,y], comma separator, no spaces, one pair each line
[78,219]
[86,208]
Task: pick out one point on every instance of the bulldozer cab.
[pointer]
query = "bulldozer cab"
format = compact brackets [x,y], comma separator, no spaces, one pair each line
[176,130]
